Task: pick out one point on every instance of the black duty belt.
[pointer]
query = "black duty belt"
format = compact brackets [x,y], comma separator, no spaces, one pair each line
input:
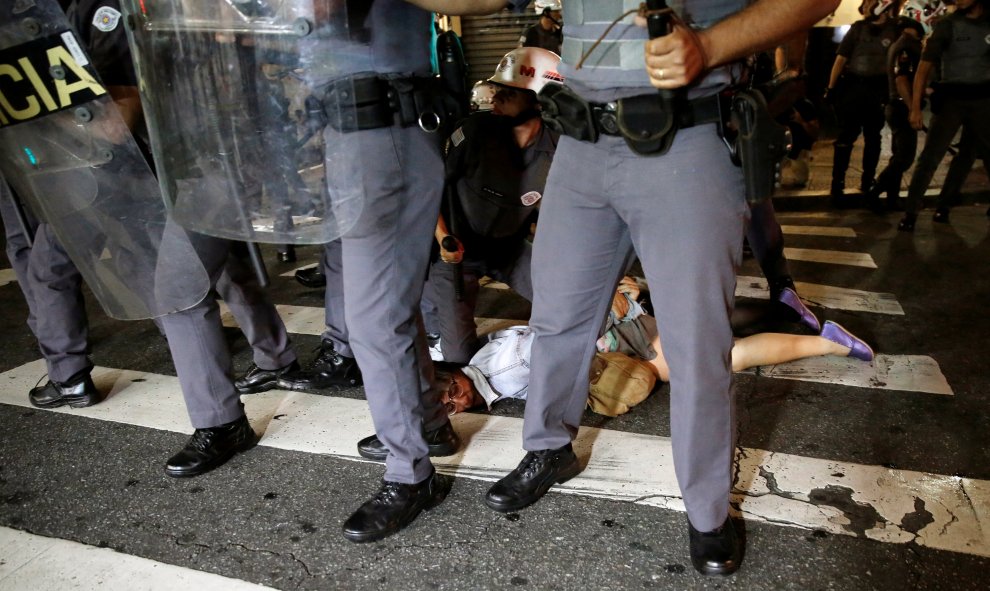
[370,102]
[689,113]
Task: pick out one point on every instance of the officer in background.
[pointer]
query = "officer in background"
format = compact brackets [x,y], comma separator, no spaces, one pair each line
[547,33]
[496,169]
[959,47]
[857,86]
[902,62]
[683,212]
[386,253]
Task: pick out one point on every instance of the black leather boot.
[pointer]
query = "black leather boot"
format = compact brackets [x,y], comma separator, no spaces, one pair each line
[330,368]
[211,447]
[441,442]
[261,380]
[532,478]
[717,552]
[78,392]
[394,507]
[312,277]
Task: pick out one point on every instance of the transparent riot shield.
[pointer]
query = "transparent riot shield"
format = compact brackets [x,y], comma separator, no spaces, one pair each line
[68,153]
[234,96]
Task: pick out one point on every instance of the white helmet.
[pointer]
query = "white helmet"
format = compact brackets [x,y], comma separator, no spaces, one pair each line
[481,96]
[926,12]
[883,5]
[528,68]
[540,5]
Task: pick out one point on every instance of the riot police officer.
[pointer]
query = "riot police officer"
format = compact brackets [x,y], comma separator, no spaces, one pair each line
[857,87]
[496,169]
[547,33]
[681,210]
[398,170]
[48,277]
[902,61]
[958,46]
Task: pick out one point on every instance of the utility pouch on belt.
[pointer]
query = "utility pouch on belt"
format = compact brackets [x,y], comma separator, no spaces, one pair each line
[647,123]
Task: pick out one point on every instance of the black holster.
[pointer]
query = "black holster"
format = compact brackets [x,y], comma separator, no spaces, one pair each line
[759,146]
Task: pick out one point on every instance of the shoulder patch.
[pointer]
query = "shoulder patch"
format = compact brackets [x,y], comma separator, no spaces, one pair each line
[457,137]
[106,19]
[530,198]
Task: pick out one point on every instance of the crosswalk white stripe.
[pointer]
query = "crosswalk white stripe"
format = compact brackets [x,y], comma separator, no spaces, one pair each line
[292,273]
[826,296]
[818,231]
[36,562]
[7,276]
[908,373]
[884,504]
[834,257]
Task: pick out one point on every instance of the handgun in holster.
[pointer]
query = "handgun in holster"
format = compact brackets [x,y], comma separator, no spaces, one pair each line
[756,142]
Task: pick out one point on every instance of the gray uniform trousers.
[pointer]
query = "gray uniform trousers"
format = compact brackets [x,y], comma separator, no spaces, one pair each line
[196,339]
[336,324]
[385,257]
[52,287]
[684,213]
[458,333]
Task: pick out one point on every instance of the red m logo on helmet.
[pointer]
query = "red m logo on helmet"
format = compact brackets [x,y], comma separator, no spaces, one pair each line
[527,71]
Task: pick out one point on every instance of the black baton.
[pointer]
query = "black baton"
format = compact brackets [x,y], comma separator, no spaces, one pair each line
[449,243]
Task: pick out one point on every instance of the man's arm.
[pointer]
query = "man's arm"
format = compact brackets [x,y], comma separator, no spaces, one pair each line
[684,55]
[461,7]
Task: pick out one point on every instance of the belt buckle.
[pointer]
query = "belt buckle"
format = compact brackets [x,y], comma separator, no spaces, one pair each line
[605,118]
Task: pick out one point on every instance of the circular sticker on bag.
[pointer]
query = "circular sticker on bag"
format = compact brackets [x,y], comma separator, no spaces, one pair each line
[530,198]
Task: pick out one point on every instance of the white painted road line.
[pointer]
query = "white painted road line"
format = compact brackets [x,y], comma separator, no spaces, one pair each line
[826,296]
[7,276]
[910,373]
[292,273]
[834,257]
[36,562]
[818,231]
[883,504]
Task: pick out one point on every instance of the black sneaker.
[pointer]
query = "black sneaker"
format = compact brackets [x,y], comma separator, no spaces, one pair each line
[330,368]
[394,507]
[77,393]
[941,215]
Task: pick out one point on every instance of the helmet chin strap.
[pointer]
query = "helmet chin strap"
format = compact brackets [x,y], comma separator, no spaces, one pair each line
[547,14]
